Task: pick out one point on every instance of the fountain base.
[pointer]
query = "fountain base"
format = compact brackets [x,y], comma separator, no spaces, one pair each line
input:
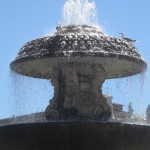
[74,136]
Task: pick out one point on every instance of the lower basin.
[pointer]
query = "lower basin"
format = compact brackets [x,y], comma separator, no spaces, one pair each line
[75,135]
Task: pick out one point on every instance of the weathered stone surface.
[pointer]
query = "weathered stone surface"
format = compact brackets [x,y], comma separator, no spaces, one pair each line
[73,43]
[86,41]
[78,92]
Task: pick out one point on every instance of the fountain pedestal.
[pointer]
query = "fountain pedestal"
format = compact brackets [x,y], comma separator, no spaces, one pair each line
[78,92]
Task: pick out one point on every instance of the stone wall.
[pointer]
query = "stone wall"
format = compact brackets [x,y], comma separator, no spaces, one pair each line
[34,117]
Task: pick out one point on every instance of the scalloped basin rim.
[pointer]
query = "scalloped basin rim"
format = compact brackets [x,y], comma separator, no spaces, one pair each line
[116,66]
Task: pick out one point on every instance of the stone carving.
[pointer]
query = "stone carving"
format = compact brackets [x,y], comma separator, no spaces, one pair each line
[69,39]
[77,92]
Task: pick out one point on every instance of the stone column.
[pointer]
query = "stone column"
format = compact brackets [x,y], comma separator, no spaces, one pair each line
[77,93]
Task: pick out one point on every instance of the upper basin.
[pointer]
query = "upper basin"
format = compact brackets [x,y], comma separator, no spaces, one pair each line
[81,43]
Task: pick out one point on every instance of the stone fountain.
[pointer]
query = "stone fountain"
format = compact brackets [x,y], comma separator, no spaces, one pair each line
[77,59]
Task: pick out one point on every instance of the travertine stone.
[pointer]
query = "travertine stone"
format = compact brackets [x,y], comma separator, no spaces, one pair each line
[78,92]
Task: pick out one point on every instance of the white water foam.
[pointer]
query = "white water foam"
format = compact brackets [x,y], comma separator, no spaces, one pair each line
[79,12]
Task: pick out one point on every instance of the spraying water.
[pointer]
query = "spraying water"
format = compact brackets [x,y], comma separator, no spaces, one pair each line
[79,12]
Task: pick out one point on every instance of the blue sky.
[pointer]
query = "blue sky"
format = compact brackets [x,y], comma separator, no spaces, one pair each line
[22,21]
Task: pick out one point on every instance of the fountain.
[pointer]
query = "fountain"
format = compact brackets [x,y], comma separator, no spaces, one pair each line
[77,59]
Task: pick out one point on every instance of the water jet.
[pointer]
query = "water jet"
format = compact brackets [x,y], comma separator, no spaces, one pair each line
[78,58]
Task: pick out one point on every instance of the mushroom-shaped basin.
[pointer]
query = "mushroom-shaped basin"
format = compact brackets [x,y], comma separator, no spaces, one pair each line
[81,43]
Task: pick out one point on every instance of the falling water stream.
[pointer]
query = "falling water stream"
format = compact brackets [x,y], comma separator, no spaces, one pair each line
[29,95]
[128,90]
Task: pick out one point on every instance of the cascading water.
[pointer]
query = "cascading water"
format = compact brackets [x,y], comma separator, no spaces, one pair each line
[79,12]
[126,90]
